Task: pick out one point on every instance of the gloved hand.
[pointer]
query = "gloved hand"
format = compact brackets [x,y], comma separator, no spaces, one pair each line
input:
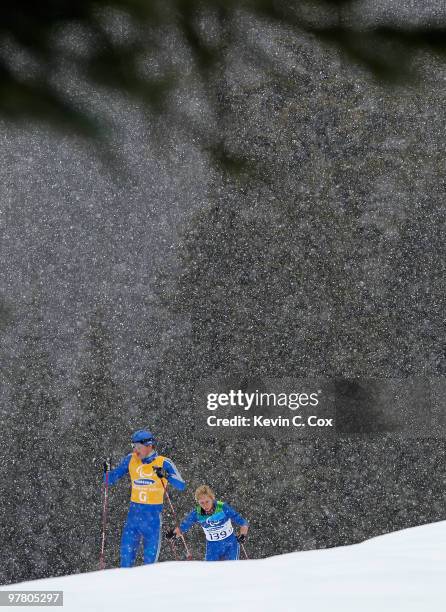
[170,535]
[160,472]
[106,465]
[241,538]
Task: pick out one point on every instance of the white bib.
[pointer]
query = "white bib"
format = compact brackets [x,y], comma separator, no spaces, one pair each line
[215,534]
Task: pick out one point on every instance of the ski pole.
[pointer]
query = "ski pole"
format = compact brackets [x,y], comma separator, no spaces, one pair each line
[240,540]
[188,553]
[104,514]
[174,549]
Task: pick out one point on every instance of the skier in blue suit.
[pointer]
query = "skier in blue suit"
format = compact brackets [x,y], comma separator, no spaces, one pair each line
[149,474]
[215,517]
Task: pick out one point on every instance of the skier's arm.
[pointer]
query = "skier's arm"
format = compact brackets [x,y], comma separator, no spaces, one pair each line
[173,475]
[119,471]
[235,516]
[190,520]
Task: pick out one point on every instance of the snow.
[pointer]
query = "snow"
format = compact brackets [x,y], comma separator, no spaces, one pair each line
[398,572]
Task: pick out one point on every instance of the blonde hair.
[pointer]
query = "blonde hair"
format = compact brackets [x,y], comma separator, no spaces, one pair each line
[203,490]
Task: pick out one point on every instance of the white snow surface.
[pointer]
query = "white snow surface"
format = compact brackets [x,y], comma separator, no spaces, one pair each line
[398,572]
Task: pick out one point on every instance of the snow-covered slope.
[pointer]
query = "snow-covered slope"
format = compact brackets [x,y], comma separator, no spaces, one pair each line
[399,572]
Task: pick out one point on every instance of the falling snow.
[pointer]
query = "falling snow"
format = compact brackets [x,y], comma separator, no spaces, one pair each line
[122,287]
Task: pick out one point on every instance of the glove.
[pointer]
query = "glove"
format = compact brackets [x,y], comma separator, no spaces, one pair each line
[241,538]
[170,535]
[106,465]
[160,472]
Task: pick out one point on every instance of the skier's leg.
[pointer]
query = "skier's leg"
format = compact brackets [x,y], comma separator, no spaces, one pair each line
[231,551]
[213,551]
[129,544]
[152,537]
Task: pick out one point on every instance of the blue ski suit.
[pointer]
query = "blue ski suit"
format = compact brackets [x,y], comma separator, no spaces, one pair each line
[146,504]
[221,543]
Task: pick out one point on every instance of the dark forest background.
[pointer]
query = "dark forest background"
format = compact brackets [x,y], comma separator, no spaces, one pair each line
[316,248]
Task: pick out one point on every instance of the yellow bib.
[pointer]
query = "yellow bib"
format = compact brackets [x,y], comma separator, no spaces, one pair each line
[147,488]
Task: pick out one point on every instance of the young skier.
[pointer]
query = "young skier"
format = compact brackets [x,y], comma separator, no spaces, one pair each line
[215,517]
[148,472]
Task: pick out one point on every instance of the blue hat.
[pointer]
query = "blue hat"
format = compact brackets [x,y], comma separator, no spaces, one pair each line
[142,436]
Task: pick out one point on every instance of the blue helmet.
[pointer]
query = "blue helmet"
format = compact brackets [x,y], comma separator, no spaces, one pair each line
[143,436]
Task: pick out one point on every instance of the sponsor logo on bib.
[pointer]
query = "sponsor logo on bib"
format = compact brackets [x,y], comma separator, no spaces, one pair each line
[145,473]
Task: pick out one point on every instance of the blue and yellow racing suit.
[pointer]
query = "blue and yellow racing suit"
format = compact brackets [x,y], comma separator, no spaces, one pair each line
[146,504]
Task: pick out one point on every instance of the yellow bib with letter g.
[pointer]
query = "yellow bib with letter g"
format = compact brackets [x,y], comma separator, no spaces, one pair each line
[147,488]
